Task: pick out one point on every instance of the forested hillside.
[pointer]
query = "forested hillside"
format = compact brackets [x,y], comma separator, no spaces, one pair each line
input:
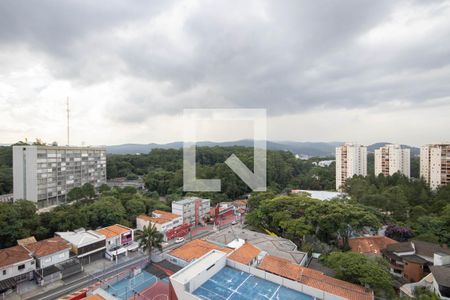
[163,171]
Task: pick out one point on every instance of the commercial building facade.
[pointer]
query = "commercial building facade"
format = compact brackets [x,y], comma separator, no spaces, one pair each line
[193,210]
[351,159]
[45,174]
[435,164]
[391,159]
[164,222]
[87,246]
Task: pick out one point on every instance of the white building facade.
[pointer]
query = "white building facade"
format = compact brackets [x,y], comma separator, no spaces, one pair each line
[16,262]
[45,174]
[193,210]
[351,159]
[435,164]
[391,159]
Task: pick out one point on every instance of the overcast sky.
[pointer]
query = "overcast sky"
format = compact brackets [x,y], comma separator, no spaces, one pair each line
[362,71]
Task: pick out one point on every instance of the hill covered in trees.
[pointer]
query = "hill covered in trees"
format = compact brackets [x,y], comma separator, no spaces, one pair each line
[163,173]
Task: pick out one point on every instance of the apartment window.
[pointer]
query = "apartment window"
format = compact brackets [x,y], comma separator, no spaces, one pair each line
[21,267]
[4,272]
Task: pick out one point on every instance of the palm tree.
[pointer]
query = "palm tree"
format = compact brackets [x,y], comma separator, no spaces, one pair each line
[149,238]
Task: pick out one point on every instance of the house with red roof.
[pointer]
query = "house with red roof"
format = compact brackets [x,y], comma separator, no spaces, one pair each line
[16,265]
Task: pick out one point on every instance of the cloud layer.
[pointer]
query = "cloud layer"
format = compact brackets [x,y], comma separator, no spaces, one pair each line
[131,67]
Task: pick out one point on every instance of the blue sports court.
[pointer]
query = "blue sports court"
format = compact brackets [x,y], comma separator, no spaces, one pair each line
[127,287]
[232,284]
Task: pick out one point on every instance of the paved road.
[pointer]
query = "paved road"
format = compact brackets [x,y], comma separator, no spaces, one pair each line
[87,280]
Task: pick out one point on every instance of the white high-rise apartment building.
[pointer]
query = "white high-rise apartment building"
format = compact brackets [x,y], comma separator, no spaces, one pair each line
[45,174]
[435,164]
[391,159]
[351,159]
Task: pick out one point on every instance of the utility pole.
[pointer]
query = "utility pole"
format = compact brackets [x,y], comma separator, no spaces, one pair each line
[68,123]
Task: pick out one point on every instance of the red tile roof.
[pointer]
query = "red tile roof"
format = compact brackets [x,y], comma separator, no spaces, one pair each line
[314,279]
[371,244]
[113,230]
[245,254]
[48,246]
[196,249]
[13,255]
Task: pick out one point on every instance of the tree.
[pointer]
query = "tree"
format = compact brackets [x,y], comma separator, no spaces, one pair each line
[423,293]
[298,215]
[88,190]
[398,233]
[104,188]
[10,225]
[134,207]
[75,194]
[363,270]
[104,212]
[150,238]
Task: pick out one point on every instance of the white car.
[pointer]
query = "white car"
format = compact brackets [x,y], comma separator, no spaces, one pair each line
[179,240]
[234,222]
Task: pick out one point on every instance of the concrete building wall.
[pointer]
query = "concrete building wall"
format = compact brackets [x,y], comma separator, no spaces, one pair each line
[187,208]
[435,164]
[53,259]
[412,272]
[140,223]
[391,159]
[17,269]
[351,159]
[24,173]
[45,174]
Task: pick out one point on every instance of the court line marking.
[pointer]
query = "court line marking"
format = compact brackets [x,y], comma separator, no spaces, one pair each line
[235,291]
[279,286]
[212,293]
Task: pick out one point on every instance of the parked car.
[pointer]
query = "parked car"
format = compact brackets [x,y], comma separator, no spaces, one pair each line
[179,240]
[234,222]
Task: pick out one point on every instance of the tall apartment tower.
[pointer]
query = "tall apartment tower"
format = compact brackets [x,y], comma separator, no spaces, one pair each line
[435,164]
[351,159]
[45,174]
[391,159]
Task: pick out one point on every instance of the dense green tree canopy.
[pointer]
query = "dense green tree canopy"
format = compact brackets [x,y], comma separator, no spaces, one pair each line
[296,216]
[362,270]
[19,220]
[406,203]
[163,173]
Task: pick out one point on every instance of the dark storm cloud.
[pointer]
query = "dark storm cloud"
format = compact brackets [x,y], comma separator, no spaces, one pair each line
[288,56]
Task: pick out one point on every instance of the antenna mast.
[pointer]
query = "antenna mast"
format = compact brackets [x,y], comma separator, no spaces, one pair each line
[68,123]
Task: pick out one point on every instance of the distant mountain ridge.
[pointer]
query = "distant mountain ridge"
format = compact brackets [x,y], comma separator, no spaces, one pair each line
[321,149]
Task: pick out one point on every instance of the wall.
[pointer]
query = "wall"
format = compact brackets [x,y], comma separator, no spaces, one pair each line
[140,223]
[412,272]
[204,275]
[175,260]
[441,259]
[55,258]
[12,270]
[25,172]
